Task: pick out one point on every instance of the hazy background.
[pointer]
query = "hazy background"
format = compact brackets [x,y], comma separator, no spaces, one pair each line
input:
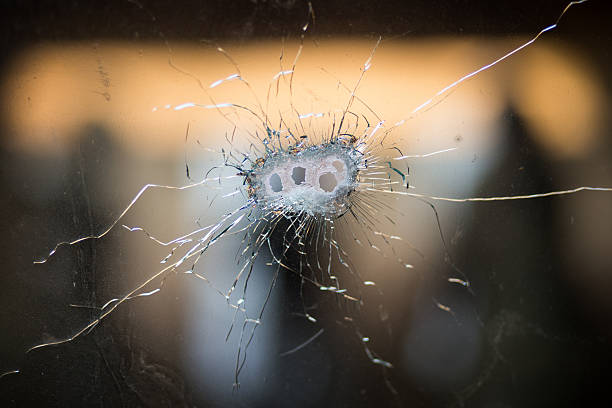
[84,124]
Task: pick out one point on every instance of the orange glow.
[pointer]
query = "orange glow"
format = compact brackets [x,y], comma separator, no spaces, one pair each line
[52,91]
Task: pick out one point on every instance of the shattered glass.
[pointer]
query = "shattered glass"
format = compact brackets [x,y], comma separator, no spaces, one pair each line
[290,211]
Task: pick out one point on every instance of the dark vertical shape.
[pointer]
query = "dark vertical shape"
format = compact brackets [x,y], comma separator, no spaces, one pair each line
[538,346]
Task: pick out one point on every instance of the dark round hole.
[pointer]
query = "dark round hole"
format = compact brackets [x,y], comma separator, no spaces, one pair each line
[328,182]
[299,175]
[276,183]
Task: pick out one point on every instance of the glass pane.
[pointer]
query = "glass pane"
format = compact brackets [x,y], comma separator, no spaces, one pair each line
[366,223]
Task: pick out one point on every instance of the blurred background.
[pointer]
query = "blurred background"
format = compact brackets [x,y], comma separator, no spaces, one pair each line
[88,116]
